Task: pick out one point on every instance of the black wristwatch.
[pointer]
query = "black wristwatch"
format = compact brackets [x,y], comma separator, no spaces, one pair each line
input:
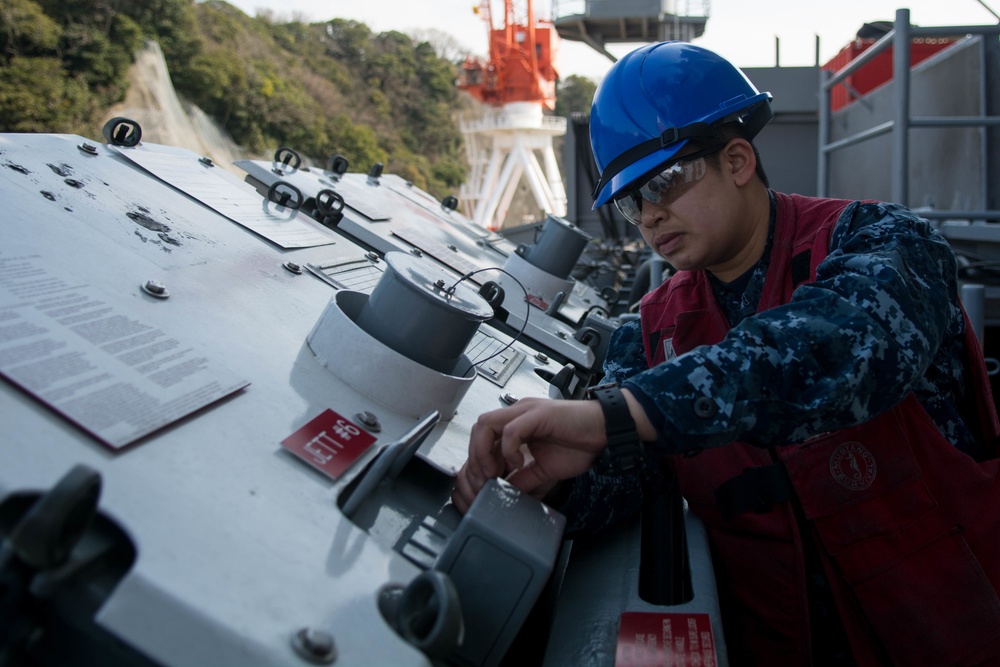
[624,449]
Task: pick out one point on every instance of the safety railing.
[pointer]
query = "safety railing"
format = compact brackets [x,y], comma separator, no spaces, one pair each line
[898,39]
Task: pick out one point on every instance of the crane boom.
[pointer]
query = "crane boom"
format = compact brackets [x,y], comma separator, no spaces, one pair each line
[521,66]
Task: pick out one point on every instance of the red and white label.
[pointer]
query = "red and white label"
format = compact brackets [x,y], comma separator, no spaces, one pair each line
[330,442]
[651,639]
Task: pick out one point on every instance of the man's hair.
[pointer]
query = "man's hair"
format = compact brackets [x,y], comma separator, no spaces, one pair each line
[727,133]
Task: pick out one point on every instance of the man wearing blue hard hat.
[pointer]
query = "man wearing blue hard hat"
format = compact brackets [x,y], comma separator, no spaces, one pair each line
[808,378]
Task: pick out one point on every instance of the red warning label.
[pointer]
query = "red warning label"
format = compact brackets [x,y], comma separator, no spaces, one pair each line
[650,639]
[329,442]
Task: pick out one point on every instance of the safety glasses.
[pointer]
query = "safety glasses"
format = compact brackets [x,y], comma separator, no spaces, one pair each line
[669,182]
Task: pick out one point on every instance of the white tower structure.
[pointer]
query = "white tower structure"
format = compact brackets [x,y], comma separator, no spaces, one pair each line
[509,143]
[516,83]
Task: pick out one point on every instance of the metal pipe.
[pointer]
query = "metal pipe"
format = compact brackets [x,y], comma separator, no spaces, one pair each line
[974,299]
[901,107]
[870,133]
[823,168]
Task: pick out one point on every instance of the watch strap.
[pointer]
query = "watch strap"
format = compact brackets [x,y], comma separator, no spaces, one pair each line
[624,448]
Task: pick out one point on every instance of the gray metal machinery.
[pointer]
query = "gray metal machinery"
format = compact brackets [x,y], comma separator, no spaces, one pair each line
[531,284]
[598,23]
[231,427]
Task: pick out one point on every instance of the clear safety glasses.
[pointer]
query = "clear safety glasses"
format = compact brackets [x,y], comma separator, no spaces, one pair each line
[664,187]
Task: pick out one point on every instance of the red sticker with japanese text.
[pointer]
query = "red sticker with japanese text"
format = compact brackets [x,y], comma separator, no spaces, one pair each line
[330,442]
[651,639]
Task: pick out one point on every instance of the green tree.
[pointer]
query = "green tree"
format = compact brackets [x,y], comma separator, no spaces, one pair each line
[25,29]
[574,95]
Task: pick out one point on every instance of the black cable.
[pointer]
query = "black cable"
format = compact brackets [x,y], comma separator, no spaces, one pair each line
[527,309]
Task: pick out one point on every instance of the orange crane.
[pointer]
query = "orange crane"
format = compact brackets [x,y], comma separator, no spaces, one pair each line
[521,60]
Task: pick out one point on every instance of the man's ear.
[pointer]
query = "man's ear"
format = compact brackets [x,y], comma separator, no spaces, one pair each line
[739,158]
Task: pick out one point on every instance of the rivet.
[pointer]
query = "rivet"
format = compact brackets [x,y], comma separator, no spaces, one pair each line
[292,267]
[88,148]
[542,358]
[155,288]
[509,399]
[369,420]
[372,256]
[316,646]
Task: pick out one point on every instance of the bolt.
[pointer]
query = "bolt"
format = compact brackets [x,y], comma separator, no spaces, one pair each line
[561,334]
[316,646]
[207,161]
[292,267]
[416,252]
[369,421]
[452,247]
[439,283]
[509,399]
[542,358]
[88,148]
[372,256]
[155,288]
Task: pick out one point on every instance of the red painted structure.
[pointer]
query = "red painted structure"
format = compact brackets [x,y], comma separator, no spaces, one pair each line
[521,66]
[876,72]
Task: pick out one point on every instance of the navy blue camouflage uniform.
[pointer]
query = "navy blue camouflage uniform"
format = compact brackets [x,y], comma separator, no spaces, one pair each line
[881,320]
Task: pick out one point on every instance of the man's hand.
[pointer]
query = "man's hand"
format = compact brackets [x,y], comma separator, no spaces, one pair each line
[534,443]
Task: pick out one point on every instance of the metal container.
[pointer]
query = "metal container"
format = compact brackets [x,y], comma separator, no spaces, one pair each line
[423,312]
[557,248]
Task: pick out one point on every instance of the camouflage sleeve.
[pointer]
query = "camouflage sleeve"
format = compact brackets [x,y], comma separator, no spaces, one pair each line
[845,348]
[626,355]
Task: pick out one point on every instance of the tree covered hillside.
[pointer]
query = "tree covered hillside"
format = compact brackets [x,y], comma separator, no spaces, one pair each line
[321,88]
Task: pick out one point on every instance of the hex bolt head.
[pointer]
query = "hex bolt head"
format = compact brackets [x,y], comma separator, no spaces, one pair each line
[372,256]
[509,399]
[155,288]
[369,420]
[88,148]
[542,358]
[292,267]
[316,646]
[207,161]
[416,252]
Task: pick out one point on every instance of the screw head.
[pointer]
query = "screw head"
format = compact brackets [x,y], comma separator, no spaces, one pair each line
[542,358]
[509,399]
[371,255]
[369,420]
[292,267]
[207,161]
[91,149]
[155,288]
[316,646]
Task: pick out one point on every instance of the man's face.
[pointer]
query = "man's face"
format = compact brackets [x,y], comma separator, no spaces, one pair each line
[698,222]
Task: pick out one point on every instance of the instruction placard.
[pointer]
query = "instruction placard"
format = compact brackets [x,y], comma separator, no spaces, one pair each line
[114,375]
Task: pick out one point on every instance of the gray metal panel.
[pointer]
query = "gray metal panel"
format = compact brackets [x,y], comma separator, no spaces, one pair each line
[239,543]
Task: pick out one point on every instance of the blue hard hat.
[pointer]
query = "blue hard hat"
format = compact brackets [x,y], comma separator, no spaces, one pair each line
[659,97]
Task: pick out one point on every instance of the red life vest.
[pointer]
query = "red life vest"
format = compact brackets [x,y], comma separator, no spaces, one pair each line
[908,527]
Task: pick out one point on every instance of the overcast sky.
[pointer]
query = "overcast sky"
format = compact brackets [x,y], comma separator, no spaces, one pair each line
[744,32]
